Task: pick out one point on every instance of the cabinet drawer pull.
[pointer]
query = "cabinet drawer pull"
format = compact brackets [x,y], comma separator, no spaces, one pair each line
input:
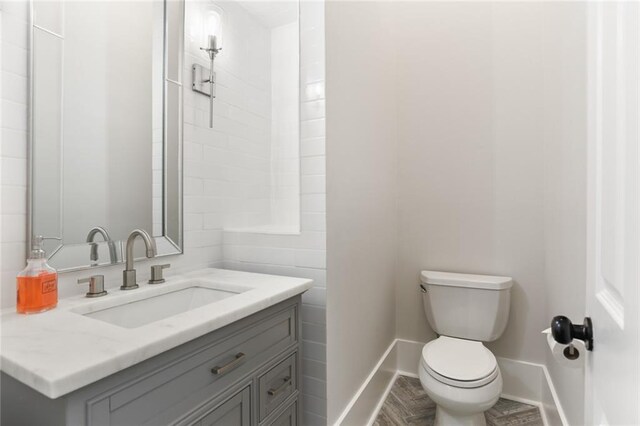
[230,365]
[283,386]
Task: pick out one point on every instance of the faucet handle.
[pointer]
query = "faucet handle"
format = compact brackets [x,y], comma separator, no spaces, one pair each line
[96,285]
[156,273]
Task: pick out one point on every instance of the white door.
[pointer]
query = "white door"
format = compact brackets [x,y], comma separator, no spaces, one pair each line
[612,372]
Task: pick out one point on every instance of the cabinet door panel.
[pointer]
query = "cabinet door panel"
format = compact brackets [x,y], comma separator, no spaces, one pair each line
[288,418]
[236,411]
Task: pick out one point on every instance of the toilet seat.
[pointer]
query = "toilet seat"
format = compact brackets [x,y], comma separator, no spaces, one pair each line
[459,363]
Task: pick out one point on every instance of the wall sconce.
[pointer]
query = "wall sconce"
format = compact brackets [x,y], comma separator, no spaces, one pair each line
[204,80]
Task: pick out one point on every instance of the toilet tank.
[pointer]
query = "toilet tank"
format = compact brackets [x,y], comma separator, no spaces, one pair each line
[474,307]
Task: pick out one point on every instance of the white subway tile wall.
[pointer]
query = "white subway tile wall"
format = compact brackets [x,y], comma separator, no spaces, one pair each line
[226,177]
[285,120]
[302,255]
[231,163]
[14,17]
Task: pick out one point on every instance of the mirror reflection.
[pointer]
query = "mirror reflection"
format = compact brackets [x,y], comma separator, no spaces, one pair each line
[105,150]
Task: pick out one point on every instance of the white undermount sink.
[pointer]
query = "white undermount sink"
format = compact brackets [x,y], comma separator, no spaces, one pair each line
[136,313]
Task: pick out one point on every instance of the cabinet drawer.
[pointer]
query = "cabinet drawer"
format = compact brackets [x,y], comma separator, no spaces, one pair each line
[276,385]
[288,418]
[201,375]
[236,411]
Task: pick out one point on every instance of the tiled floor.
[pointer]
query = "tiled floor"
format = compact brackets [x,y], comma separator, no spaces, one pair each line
[408,404]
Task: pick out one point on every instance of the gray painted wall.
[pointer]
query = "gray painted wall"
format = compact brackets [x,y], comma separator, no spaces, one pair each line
[361,196]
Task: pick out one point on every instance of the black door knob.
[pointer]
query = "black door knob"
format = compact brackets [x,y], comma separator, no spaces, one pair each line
[563,331]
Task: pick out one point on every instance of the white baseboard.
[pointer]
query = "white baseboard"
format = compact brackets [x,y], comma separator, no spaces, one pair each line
[551,406]
[524,381]
[409,353]
[385,394]
[521,379]
[370,396]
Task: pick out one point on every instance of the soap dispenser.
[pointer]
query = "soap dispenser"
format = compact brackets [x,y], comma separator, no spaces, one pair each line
[37,284]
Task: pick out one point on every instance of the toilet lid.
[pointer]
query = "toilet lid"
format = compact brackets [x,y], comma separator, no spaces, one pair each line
[459,362]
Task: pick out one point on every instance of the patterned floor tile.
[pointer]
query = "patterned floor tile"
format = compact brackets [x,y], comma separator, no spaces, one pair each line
[408,404]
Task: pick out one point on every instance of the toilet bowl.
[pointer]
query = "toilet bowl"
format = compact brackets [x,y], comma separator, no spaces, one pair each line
[463,379]
[456,370]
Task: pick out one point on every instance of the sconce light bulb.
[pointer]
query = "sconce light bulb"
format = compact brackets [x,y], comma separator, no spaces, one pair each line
[213,42]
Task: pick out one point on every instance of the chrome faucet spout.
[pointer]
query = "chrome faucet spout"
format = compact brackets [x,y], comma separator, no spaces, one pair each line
[97,230]
[129,274]
[94,246]
[149,243]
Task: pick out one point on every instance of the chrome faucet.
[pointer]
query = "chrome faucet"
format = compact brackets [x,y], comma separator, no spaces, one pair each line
[94,246]
[129,274]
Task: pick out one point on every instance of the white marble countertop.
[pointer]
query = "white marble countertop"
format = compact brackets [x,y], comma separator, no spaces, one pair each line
[59,351]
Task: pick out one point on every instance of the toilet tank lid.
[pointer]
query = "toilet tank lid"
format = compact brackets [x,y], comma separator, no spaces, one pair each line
[453,279]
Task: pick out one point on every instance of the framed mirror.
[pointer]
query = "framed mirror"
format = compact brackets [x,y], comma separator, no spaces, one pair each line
[105,128]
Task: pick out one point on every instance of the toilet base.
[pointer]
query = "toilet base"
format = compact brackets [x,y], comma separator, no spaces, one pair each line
[460,406]
[445,418]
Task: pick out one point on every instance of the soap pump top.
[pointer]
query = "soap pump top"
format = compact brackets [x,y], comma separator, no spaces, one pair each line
[37,261]
[37,252]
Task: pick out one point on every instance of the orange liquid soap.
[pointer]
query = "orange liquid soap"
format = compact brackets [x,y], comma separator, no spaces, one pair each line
[37,284]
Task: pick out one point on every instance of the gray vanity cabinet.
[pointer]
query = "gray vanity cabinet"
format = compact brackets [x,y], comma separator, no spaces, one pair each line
[288,417]
[244,374]
[276,386]
[234,411]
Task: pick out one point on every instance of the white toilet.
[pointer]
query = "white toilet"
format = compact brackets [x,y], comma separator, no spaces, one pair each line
[456,370]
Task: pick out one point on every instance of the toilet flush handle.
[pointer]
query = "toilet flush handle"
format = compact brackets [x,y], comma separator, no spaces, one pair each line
[423,288]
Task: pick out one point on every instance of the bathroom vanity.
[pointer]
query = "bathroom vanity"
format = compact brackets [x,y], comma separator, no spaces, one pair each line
[232,361]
